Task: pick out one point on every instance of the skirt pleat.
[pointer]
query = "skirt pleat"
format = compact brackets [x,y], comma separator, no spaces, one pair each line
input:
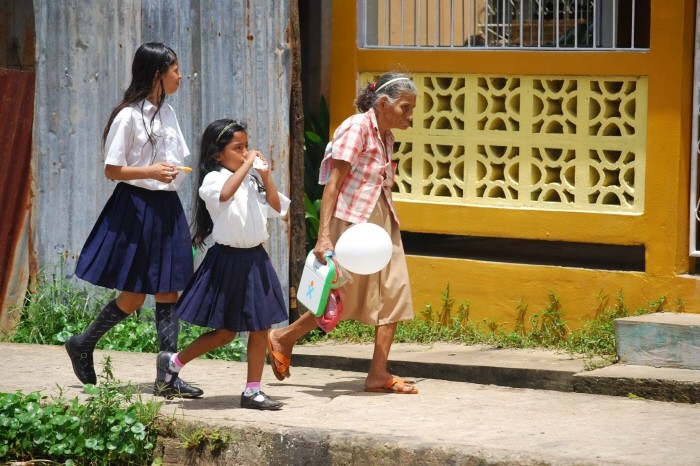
[235,289]
[140,243]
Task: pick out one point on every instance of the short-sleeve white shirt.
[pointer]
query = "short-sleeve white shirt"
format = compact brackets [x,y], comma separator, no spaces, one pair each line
[240,222]
[127,142]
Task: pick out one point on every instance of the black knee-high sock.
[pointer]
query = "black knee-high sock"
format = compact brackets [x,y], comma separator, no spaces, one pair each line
[168,326]
[109,316]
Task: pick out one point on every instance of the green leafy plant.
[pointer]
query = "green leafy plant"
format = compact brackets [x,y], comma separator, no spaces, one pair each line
[316,134]
[312,214]
[59,308]
[112,426]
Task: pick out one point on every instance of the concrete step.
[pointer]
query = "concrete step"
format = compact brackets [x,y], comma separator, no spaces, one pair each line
[662,339]
[651,383]
[517,368]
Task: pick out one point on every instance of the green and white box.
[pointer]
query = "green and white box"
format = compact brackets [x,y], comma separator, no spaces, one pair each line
[317,279]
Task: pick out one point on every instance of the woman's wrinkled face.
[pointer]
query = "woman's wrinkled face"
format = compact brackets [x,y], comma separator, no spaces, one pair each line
[234,153]
[398,114]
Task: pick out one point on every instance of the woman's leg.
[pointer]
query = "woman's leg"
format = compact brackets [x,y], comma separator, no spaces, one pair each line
[378,374]
[282,341]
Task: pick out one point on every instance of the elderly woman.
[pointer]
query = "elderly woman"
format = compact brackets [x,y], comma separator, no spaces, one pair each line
[358,174]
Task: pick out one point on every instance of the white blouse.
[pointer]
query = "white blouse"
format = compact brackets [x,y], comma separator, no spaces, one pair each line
[127,142]
[240,222]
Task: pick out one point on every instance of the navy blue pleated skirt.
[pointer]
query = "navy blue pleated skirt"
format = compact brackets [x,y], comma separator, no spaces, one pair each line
[140,243]
[235,289]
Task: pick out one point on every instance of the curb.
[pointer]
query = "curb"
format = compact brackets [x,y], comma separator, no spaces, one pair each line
[274,447]
[540,379]
[671,385]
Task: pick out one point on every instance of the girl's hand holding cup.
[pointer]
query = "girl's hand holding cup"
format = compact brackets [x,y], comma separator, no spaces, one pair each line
[259,163]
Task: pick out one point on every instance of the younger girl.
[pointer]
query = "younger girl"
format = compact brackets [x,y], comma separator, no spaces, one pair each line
[235,289]
[140,244]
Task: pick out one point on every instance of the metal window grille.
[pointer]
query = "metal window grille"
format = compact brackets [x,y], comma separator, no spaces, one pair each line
[695,149]
[504,24]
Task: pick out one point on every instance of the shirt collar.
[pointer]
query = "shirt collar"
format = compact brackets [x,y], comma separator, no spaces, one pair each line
[148,108]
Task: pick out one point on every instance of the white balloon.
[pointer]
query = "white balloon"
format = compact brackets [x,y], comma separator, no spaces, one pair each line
[364,248]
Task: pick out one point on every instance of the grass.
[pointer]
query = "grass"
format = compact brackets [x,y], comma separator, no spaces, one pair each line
[59,308]
[595,340]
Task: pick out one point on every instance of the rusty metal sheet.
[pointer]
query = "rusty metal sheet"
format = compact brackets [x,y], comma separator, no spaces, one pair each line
[17,110]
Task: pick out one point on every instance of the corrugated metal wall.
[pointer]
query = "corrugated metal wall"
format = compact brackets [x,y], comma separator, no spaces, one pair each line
[236,62]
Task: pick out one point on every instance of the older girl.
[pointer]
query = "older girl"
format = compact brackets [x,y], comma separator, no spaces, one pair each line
[140,244]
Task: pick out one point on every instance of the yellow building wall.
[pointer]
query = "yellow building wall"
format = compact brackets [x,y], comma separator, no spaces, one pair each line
[494,290]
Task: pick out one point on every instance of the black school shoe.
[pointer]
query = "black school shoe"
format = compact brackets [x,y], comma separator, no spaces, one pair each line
[81,359]
[174,387]
[266,403]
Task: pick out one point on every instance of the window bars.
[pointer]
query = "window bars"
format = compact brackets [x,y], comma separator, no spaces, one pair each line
[504,24]
[695,150]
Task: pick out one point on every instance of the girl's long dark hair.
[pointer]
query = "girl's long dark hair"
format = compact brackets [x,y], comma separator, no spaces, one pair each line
[217,135]
[149,59]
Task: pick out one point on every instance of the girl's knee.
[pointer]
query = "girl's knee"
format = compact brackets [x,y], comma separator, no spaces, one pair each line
[225,336]
[128,302]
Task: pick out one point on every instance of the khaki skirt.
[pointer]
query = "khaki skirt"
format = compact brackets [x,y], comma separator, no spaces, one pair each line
[383,297]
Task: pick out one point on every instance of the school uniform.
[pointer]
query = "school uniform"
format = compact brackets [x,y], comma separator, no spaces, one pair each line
[141,241]
[236,287]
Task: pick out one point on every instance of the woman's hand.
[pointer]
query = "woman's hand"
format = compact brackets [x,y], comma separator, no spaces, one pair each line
[323,246]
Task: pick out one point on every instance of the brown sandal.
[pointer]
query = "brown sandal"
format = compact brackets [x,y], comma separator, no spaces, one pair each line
[395,385]
[278,361]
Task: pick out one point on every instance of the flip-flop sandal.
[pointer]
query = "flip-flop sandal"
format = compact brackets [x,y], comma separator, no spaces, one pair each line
[394,385]
[278,361]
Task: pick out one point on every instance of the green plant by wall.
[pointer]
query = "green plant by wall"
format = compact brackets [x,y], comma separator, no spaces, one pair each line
[595,340]
[201,437]
[59,308]
[112,426]
[316,134]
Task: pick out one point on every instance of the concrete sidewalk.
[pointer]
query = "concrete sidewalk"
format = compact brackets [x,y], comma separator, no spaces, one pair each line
[329,419]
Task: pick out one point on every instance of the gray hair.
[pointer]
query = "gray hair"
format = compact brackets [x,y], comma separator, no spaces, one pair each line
[390,84]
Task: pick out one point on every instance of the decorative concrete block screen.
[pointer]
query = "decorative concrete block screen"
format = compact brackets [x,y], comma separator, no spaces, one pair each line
[541,142]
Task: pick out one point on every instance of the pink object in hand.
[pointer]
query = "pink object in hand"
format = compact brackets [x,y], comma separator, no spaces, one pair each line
[333,312]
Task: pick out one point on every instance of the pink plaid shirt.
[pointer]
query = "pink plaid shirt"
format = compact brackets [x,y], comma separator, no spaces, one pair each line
[357,141]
